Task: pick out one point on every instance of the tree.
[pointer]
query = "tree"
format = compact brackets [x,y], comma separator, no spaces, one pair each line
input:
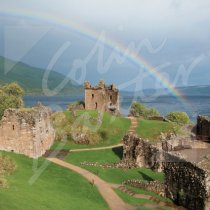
[10,97]
[13,89]
[179,117]
[139,110]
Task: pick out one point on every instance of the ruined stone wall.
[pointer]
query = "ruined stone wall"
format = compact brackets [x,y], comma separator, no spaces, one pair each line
[26,131]
[203,128]
[185,183]
[142,153]
[101,98]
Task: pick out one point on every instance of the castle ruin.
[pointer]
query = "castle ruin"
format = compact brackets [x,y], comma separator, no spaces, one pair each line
[187,171]
[203,128]
[102,98]
[27,131]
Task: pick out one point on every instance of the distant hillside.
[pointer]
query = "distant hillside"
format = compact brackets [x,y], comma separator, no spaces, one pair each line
[195,90]
[201,91]
[30,78]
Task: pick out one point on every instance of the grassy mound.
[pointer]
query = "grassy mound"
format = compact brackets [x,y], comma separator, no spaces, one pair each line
[56,188]
[152,129]
[100,129]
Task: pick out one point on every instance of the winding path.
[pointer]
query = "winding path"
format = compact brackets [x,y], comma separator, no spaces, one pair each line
[113,200]
[134,124]
[106,189]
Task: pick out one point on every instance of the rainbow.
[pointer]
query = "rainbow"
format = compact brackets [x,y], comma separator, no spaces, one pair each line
[131,55]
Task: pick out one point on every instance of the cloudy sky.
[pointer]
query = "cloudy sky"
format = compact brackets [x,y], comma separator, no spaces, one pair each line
[173,36]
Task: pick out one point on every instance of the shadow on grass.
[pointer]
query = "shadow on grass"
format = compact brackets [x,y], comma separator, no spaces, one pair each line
[118,151]
[145,176]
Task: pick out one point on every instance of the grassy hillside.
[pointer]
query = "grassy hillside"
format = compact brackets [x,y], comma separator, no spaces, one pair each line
[110,132]
[57,188]
[30,78]
[152,129]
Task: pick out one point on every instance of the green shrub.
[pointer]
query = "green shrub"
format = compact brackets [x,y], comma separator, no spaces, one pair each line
[103,134]
[79,105]
[139,110]
[178,117]
[7,166]
[10,97]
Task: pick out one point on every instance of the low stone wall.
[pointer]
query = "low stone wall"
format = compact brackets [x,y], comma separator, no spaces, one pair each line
[153,186]
[27,131]
[121,164]
[142,153]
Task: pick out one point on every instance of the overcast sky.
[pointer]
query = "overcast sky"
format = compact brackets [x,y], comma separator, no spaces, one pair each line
[182,26]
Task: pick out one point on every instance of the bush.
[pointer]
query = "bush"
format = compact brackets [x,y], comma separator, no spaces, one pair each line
[7,166]
[79,105]
[84,135]
[10,97]
[62,126]
[139,110]
[178,117]
[103,134]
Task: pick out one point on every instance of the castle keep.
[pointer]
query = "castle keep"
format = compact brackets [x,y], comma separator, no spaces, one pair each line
[101,97]
[27,131]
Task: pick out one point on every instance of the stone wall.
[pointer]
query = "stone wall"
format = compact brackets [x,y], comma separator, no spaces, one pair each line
[203,128]
[27,131]
[186,183]
[141,153]
[152,186]
[102,98]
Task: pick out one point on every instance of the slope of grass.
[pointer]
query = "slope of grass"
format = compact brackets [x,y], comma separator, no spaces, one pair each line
[111,175]
[133,201]
[114,128]
[145,192]
[57,188]
[151,129]
[30,78]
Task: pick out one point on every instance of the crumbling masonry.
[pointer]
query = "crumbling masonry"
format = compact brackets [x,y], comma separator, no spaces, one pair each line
[27,131]
[101,97]
[187,172]
[203,128]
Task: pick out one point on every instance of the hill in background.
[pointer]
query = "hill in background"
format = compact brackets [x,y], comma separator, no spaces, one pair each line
[30,78]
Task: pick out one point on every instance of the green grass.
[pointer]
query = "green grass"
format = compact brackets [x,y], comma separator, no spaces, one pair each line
[145,192]
[22,73]
[151,129]
[111,175]
[56,189]
[131,200]
[114,127]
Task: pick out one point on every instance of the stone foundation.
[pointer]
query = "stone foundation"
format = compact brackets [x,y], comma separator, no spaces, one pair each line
[27,131]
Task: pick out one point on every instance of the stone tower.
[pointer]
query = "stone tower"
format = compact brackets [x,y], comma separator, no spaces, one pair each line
[101,97]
